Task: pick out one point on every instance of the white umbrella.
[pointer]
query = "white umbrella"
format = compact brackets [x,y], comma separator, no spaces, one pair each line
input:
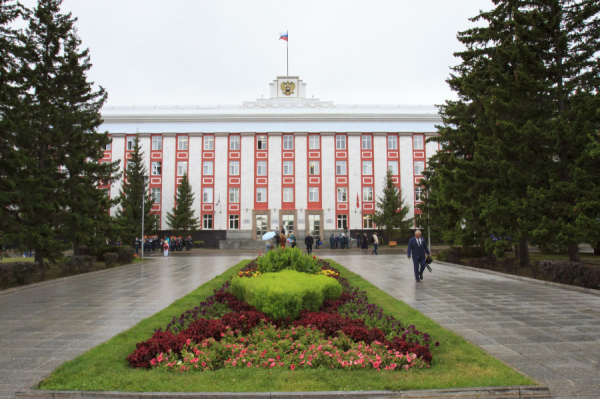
[268,236]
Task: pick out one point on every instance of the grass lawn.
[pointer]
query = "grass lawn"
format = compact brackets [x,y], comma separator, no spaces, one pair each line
[456,362]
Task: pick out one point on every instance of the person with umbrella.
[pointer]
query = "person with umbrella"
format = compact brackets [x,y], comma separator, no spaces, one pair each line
[268,237]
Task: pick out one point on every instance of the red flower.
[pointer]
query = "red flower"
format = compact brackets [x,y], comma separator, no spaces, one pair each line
[293,367]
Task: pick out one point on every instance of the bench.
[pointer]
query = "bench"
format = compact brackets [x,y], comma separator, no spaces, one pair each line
[393,243]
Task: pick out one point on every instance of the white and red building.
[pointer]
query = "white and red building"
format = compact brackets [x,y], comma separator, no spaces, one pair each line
[288,160]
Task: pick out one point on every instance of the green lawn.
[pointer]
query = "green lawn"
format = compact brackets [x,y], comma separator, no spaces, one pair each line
[456,362]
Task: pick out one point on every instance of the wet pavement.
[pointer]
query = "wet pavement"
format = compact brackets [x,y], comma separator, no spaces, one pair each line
[547,332]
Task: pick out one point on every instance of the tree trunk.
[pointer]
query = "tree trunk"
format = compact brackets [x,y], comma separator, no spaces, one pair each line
[39,260]
[523,253]
[574,252]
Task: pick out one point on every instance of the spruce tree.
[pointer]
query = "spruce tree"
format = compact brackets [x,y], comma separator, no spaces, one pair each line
[182,218]
[134,190]
[392,210]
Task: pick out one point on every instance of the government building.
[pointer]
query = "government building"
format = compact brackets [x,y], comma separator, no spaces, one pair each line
[289,160]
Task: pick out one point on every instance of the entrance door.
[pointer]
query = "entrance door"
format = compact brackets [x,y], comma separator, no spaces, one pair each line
[261,226]
[288,223]
[314,224]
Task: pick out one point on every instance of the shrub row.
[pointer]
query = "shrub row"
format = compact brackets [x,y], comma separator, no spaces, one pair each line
[284,294]
[77,264]
[566,272]
[287,258]
[16,273]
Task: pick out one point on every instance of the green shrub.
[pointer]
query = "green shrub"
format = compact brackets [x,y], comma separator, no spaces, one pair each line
[285,294]
[198,244]
[77,265]
[16,273]
[287,258]
[110,259]
[126,254]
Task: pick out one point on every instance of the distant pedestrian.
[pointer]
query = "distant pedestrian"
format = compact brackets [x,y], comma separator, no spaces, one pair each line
[137,245]
[365,242]
[317,241]
[166,249]
[337,241]
[282,240]
[293,238]
[357,240]
[331,242]
[375,243]
[276,237]
[309,240]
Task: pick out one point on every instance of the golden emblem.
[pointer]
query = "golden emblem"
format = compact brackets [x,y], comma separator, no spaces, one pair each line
[288,88]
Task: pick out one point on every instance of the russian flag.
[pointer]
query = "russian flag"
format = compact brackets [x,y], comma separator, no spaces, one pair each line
[283,36]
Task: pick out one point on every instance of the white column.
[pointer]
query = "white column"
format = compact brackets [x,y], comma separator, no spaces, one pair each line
[195,171]
[430,148]
[247,176]
[117,154]
[275,170]
[220,175]
[328,187]
[354,179]
[169,176]
[407,171]
[145,146]
[301,179]
[379,164]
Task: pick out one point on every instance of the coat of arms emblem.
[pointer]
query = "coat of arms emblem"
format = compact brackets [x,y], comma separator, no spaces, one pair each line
[288,88]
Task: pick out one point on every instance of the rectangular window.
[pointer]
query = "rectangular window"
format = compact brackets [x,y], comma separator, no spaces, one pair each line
[156,168]
[288,194]
[234,222]
[392,142]
[261,225]
[367,168]
[182,143]
[419,194]
[367,221]
[419,166]
[313,194]
[156,143]
[314,167]
[234,168]
[340,142]
[288,142]
[288,168]
[108,146]
[342,194]
[207,169]
[181,168]
[342,221]
[366,142]
[209,143]
[261,142]
[340,167]
[393,167]
[261,194]
[155,192]
[207,195]
[130,143]
[207,222]
[261,168]
[129,165]
[234,144]
[367,194]
[314,142]
[418,142]
[234,195]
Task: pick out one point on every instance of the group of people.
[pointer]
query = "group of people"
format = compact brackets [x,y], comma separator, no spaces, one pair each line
[153,243]
[281,239]
[339,241]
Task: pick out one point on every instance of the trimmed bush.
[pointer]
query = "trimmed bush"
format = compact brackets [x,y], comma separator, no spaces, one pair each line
[16,273]
[126,254]
[573,273]
[110,259]
[285,294]
[287,259]
[77,265]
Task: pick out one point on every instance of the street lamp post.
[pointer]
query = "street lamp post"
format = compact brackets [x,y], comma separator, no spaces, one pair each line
[144,180]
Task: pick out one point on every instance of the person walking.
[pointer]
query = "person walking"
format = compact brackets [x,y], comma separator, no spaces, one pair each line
[282,240]
[317,241]
[309,240]
[337,241]
[417,248]
[166,249]
[293,238]
[137,245]
[357,240]
[375,243]
[276,237]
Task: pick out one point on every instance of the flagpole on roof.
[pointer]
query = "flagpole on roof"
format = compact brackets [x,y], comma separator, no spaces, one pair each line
[287,53]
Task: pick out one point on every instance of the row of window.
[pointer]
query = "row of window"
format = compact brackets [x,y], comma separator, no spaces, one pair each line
[234,223]
[261,142]
[288,194]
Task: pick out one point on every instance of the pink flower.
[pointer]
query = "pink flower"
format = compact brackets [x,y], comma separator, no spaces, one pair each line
[153,362]
[160,358]
[293,367]
[272,364]
[203,364]
[249,364]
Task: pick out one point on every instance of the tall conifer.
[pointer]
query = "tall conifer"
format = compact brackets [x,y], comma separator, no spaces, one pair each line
[182,218]
[392,210]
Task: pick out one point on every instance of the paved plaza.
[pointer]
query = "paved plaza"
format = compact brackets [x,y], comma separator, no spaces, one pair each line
[549,333]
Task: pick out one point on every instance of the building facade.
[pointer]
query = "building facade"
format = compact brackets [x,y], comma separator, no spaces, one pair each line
[288,160]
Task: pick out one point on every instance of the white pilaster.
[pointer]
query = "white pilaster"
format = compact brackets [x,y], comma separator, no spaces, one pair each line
[328,186]
[354,179]
[169,173]
[430,148]
[407,172]
[247,176]
[220,175]
[301,178]
[275,170]
[117,154]
[379,165]
[195,171]
[145,145]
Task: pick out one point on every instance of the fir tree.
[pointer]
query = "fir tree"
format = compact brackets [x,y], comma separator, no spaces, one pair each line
[133,191]
[182,218]
[392,210]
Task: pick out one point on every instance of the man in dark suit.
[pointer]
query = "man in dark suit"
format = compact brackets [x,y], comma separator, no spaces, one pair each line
[418,249]
[308,241]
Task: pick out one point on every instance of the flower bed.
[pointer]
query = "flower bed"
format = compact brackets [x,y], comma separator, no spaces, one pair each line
[223,332]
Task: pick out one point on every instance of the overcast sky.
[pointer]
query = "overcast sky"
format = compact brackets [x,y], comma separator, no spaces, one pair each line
[194,52]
